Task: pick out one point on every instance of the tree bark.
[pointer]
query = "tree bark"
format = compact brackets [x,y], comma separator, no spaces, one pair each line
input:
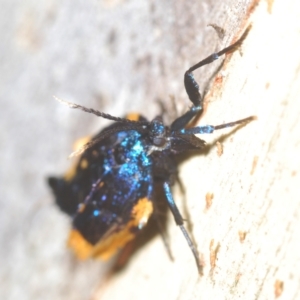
[121,56]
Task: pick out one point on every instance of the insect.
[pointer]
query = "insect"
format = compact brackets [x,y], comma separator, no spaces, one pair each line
[109,193]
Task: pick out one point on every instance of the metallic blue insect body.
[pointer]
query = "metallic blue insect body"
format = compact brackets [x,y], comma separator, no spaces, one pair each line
[109,194]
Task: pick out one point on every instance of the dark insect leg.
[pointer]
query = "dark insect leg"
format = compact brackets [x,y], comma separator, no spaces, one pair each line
[212,128]
[163,235]
[179,221]
[192,87]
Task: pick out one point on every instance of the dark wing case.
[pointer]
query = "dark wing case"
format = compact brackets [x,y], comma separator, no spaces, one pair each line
[108,193]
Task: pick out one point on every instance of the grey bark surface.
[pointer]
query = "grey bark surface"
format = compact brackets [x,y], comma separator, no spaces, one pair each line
[121,56]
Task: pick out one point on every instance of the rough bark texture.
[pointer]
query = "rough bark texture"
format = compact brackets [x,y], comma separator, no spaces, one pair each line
[120,56]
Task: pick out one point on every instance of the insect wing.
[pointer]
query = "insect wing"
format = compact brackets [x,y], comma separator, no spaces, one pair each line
[111,189]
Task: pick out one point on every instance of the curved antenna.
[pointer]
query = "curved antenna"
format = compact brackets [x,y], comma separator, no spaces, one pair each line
[99,113]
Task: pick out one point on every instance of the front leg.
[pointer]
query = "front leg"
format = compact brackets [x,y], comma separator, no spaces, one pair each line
[192,87]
